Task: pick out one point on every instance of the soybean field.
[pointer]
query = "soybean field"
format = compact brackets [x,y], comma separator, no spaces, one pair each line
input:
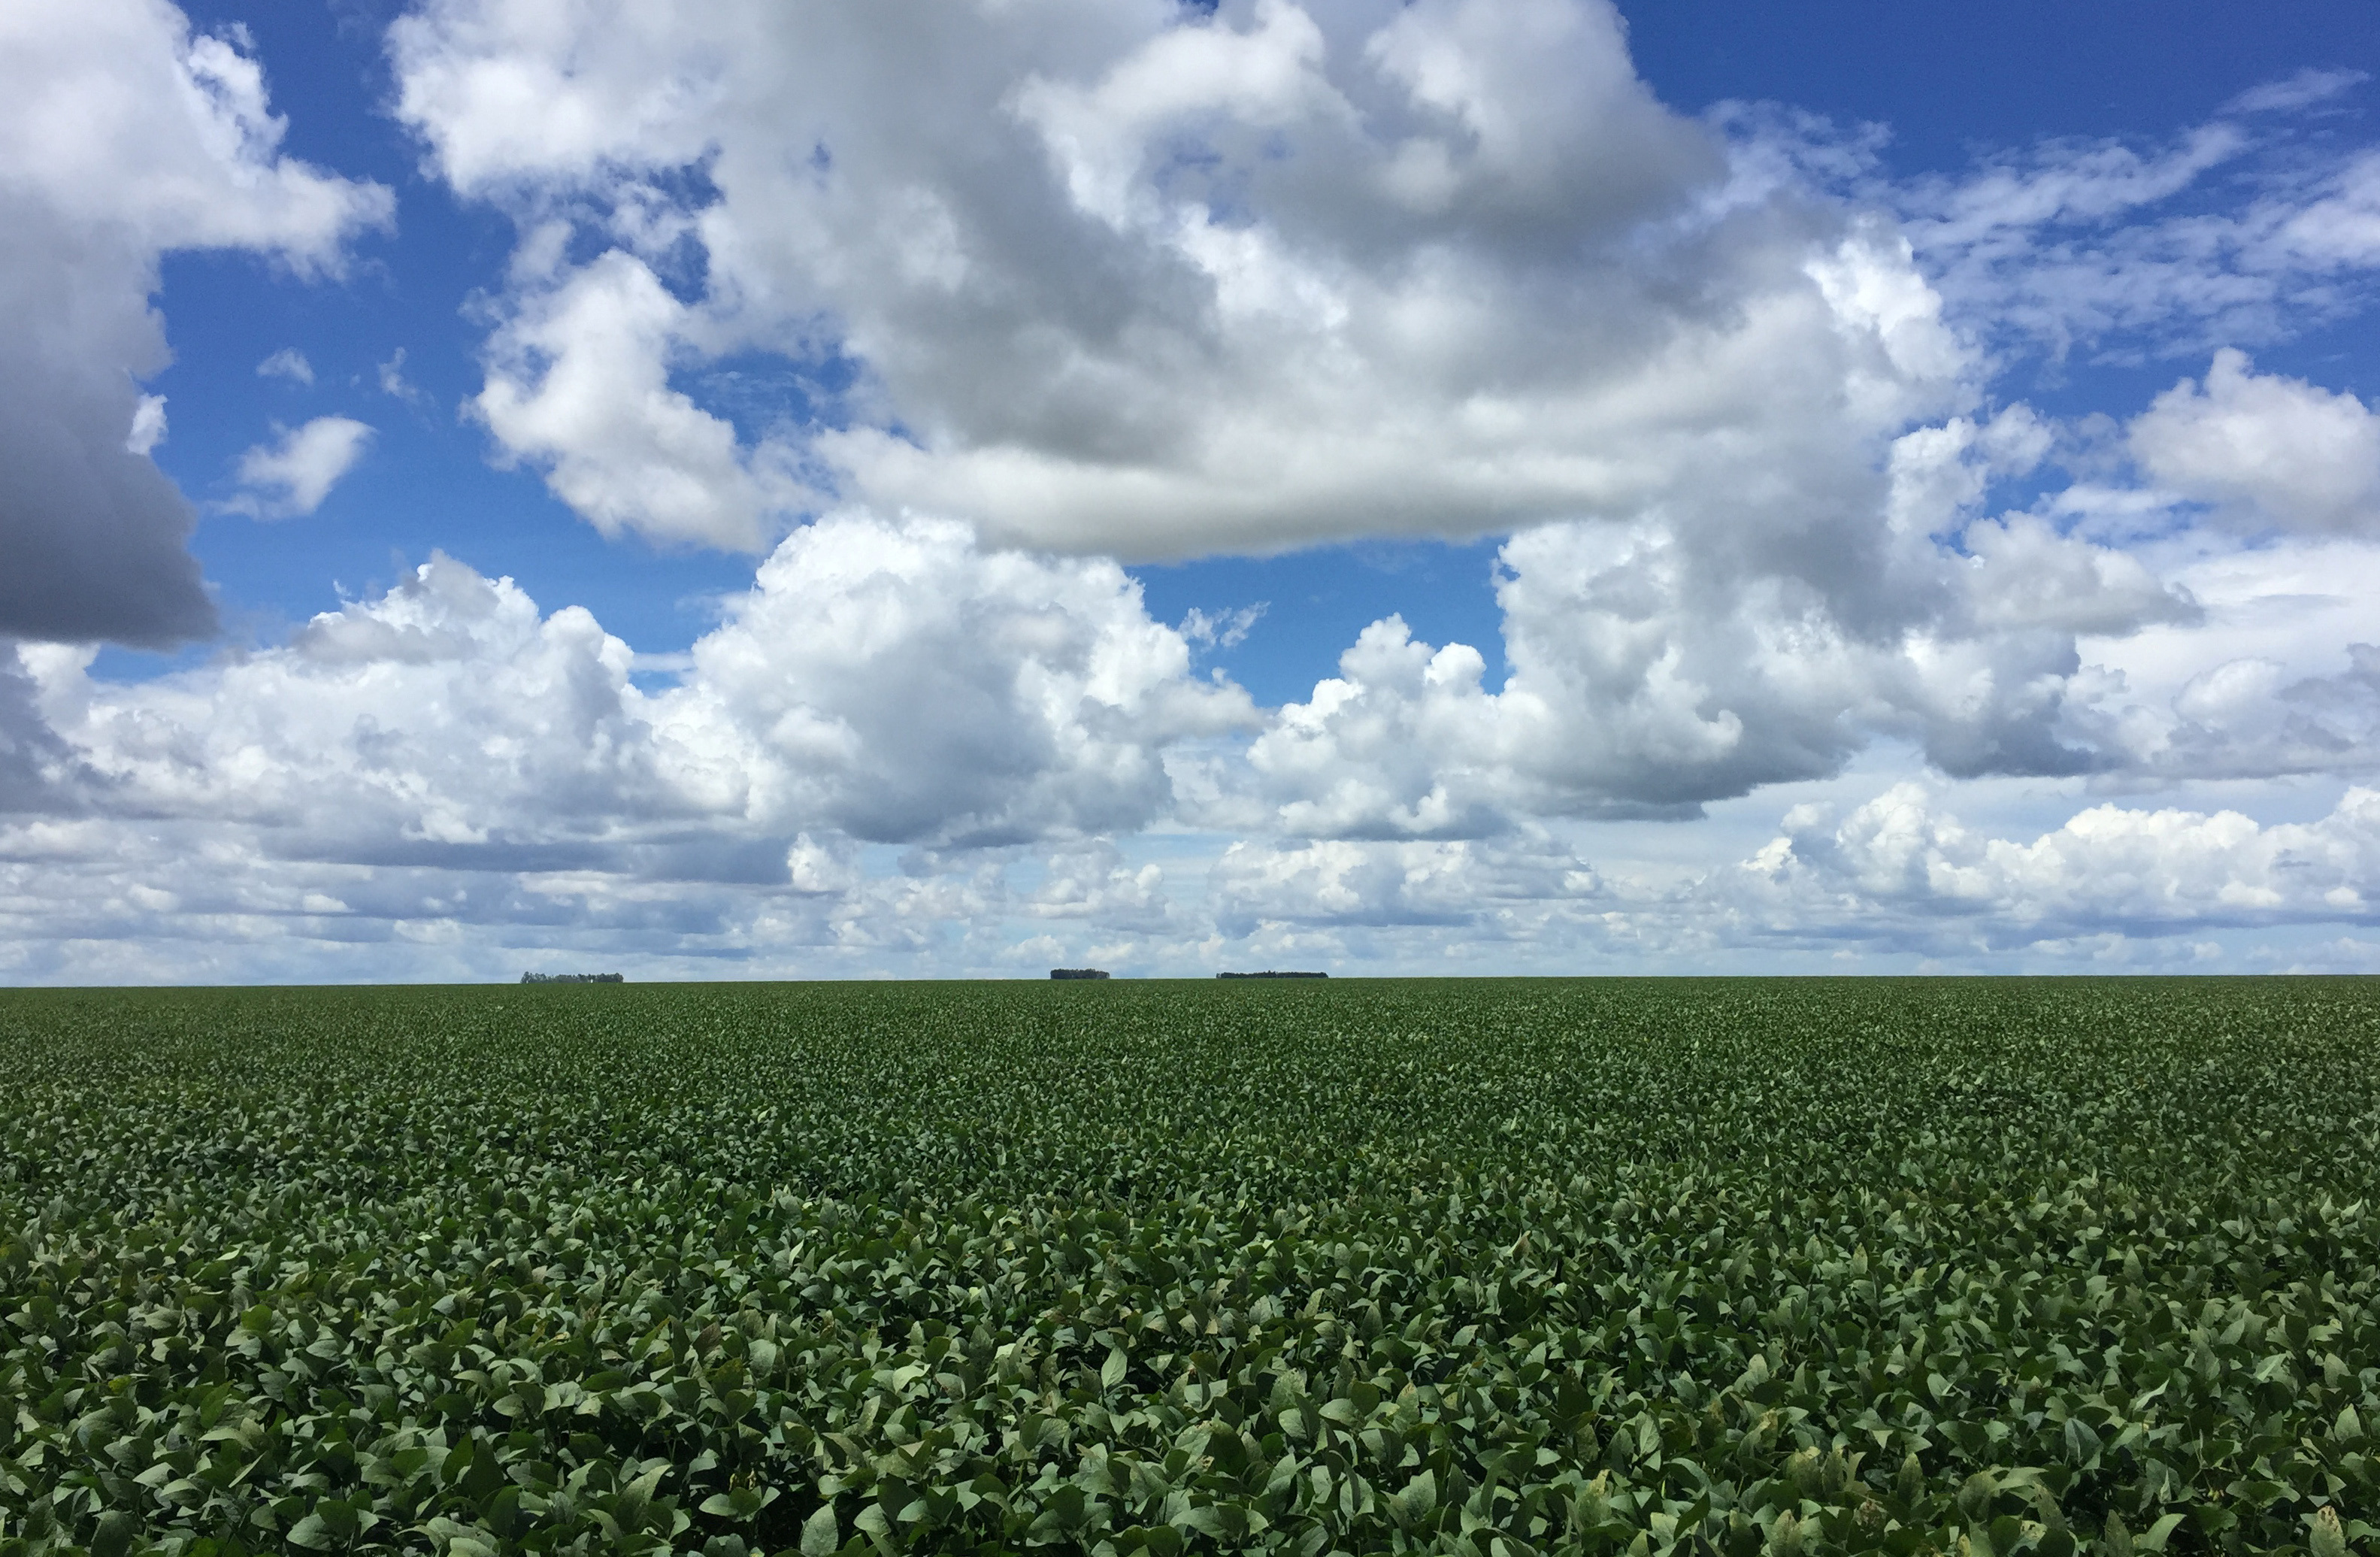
[1496,1268]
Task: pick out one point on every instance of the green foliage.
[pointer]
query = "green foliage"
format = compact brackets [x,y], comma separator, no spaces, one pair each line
[1490,1268]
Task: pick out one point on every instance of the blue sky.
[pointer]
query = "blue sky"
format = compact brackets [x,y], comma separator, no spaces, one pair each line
[766,493]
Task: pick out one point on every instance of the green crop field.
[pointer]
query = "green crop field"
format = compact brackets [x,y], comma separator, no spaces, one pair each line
[1969,1267]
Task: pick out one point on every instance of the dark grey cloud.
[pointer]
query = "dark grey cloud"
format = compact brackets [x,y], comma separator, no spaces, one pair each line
[93,538]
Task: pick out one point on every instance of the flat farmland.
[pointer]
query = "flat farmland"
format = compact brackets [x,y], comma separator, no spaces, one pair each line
[1970,1266]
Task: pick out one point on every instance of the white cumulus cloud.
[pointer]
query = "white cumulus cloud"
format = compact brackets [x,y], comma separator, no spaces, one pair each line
[2265,449]
[578,382]
[1131,281]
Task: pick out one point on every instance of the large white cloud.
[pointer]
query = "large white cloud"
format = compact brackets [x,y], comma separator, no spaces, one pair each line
[122,137]
[900,684]
[1126,279]
[2265,449]
[444,716]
